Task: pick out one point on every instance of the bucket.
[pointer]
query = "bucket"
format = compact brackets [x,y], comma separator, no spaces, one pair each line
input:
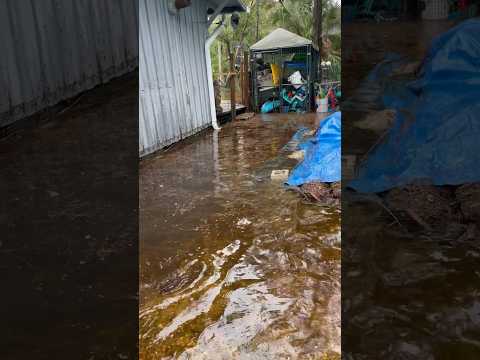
[275,74]
[435,10]
[322,105]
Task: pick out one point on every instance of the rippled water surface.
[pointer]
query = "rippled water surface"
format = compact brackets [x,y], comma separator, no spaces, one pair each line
[407,294]
[232,265]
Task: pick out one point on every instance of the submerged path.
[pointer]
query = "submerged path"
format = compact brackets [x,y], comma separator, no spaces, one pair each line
[232,265]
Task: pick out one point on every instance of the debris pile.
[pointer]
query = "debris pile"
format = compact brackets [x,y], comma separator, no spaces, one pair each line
[326,193]
[427,205]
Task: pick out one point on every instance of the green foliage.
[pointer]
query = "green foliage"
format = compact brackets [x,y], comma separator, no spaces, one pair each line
[335,73]
[293,15]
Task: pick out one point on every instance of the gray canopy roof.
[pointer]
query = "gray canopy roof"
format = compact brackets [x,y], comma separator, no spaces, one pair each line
[280,39]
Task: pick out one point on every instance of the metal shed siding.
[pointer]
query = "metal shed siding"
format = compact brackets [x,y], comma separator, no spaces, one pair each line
[174,100]
[55,49]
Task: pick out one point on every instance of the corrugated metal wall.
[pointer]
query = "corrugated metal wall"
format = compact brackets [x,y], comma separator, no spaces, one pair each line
[174,99]
[55,49]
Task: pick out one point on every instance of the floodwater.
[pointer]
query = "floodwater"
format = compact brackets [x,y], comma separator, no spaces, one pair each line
[407,293]
[68,251]
[232,265]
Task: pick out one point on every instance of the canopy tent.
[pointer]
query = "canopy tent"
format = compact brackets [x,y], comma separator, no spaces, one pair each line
[280,39]
[284,66]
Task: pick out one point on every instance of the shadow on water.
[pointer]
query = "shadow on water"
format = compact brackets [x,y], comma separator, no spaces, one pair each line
[232,264]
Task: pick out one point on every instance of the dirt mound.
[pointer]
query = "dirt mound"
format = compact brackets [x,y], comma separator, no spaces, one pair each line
[328,193]
[430,206]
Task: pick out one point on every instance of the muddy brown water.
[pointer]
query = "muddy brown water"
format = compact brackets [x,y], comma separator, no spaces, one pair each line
[68,245]
[232,265]
[407,293]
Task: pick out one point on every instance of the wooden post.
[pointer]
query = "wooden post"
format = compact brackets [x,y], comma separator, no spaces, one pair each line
[232,84]
[257,5]
[220,69]
[246,83]
[242,81]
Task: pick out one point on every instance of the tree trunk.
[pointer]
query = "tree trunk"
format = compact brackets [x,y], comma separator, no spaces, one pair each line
[220,69]
[245,82]
[317,24]
[257,34]
[317,33]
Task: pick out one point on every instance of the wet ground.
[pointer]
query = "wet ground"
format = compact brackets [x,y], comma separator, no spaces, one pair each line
[233,266]
[68,250]
[408,291]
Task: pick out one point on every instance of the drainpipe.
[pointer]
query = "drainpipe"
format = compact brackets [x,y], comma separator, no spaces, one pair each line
[208,43]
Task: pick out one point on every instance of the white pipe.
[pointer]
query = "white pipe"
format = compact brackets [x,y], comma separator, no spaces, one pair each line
[216,164]
[211,92]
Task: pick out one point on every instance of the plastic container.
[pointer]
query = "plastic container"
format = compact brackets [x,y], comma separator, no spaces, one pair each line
[322,105]
[435,10]
[281,175]
[296,79]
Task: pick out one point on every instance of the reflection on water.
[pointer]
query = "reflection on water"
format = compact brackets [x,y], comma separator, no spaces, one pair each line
[232,265]
[407,295]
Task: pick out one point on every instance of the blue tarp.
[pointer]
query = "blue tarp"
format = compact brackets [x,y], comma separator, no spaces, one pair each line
[322,161]
[296,139]
[437,128]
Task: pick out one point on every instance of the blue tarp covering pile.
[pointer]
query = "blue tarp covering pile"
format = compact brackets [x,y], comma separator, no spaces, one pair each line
[322,161]
[436,133]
